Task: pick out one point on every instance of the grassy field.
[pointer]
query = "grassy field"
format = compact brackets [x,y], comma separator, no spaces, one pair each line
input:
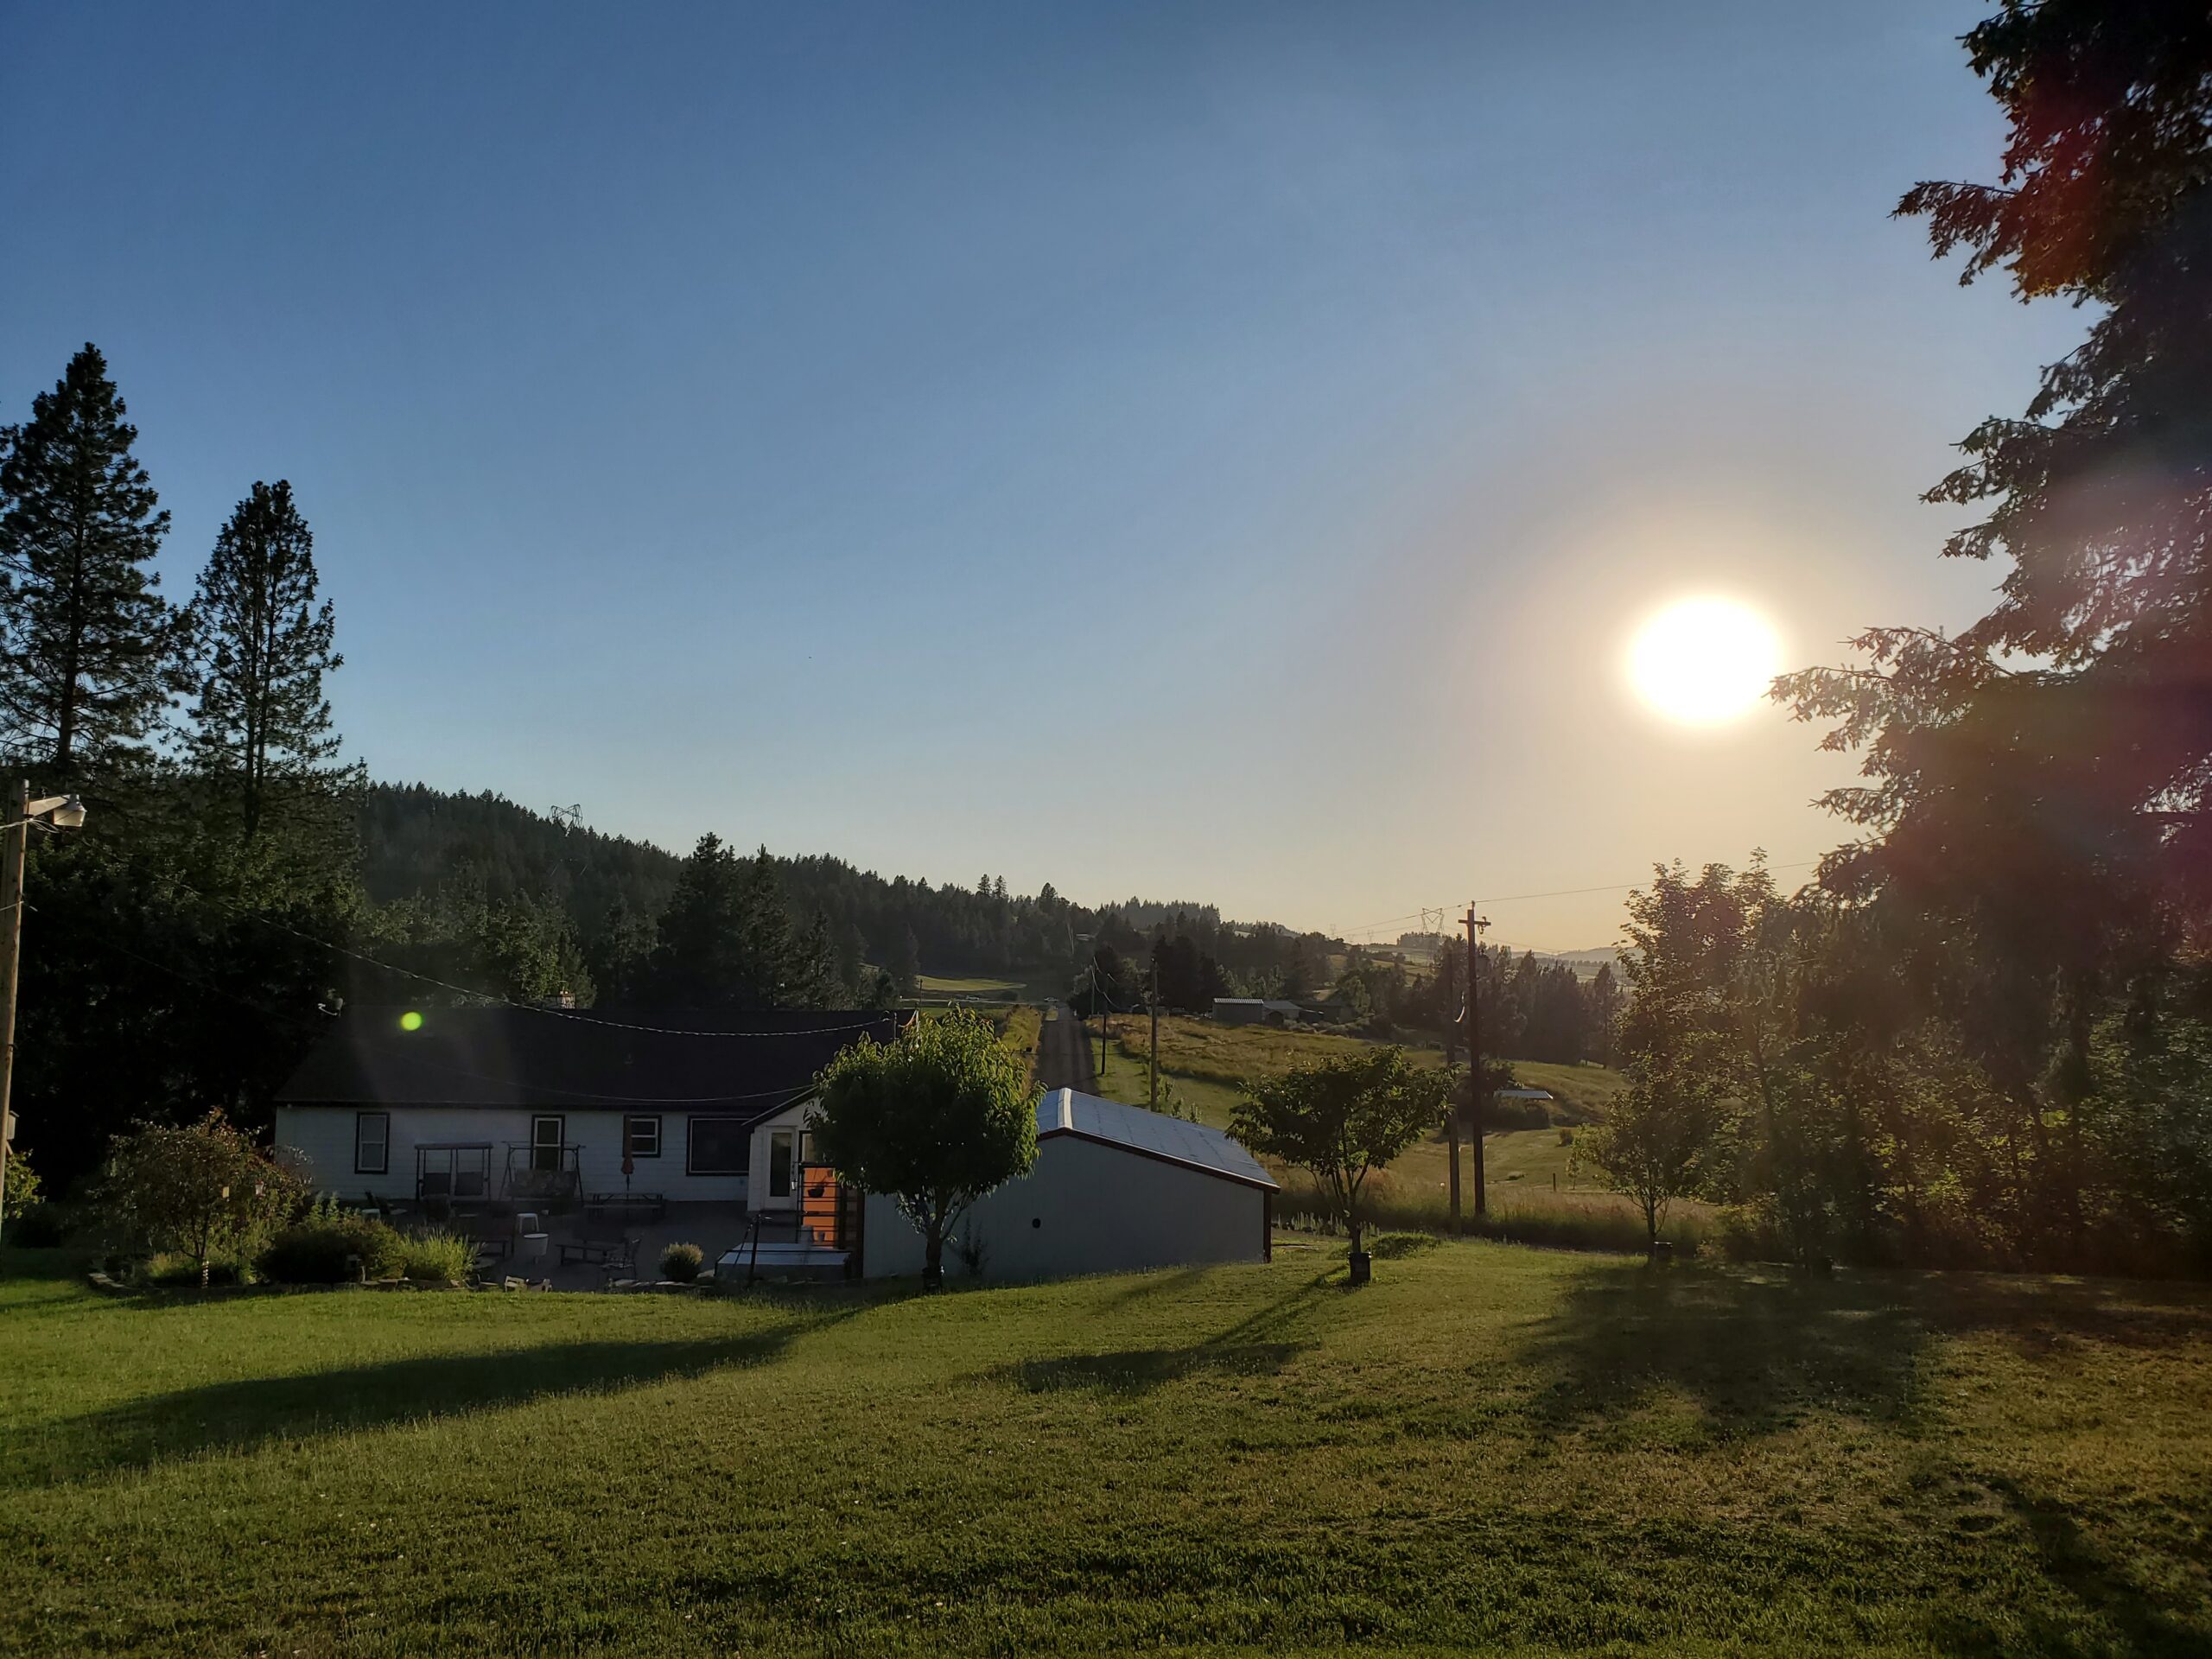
[1490,1448]
[1211,1062]
[1203,1063]
[940,985]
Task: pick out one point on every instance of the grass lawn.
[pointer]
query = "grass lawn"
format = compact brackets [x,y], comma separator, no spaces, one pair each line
[1490,1448]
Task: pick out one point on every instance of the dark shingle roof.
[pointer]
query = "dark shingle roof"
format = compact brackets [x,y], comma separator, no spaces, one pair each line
[535,1058]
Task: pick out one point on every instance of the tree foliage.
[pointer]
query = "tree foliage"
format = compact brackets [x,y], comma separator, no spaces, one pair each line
[1340,1121]
[935,1119]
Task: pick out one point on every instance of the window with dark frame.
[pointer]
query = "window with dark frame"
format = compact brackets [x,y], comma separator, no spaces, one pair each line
[719,1145]
[641,1136]
[371,1143]
[546,1134]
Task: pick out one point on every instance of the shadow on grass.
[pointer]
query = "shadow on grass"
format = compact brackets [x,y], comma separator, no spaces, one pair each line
[1758,1352]
[1139,1370]
[1259,1344]
[257,1411]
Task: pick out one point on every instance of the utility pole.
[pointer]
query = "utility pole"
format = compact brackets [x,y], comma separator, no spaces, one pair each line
[17,846]
[1475,1089]
[1098,996]
[1154,1000]
[1451,1122]
[67,812]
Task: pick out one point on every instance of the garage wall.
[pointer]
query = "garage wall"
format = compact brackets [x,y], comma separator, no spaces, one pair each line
[1086,1207]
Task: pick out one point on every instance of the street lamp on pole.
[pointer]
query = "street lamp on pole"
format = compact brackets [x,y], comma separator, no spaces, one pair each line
[61,812]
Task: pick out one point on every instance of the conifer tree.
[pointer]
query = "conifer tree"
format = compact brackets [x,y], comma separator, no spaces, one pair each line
[87,638]
[260,646]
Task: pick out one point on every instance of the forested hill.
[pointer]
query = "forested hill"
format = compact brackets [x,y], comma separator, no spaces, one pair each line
[416,840]
[418,843]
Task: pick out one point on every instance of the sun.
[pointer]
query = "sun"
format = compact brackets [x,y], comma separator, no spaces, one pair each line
[1704,661]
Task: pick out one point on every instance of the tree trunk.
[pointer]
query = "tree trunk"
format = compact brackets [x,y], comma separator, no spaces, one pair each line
[933,1257]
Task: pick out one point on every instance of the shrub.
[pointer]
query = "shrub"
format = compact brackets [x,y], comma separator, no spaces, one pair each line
[328,1246]
[681,1262]
[1388,1246]
[438,1258]
[174,1269]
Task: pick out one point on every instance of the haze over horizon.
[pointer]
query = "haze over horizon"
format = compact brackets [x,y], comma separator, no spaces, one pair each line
[1223,453]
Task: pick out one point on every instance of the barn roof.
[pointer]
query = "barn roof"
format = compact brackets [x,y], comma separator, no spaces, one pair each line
[546,1059]
[1154,1135]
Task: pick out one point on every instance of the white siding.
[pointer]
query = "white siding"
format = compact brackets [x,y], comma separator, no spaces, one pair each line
[323,1137]
[794,1117]
[1085,1207]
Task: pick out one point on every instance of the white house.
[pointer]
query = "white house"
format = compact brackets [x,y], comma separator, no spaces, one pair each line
[531,1108]
[538,1106]
[1114,1188]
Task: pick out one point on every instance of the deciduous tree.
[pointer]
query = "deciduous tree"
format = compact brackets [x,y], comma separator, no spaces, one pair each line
[1340,1121]
[933,1119]
[200,1190]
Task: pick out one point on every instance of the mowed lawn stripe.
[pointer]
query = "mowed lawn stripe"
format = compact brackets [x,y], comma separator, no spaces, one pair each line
[1488,1447]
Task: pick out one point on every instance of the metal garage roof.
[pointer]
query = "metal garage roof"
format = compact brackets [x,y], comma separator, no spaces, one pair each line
[1063,1111]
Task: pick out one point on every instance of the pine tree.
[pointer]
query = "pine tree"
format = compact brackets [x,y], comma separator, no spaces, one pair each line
[86,637]
[261,729]
[905,964]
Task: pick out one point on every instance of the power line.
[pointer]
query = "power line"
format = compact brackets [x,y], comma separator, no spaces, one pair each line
[420,1063]
[1617,886]
[1439,911]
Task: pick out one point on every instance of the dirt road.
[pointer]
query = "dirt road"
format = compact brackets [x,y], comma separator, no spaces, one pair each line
[1064,1052]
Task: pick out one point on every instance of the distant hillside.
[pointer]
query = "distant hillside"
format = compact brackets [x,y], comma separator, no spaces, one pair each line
[416,840]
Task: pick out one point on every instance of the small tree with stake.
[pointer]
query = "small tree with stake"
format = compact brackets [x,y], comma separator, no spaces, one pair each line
[1340,1121]
[200,1190]
[933,1119]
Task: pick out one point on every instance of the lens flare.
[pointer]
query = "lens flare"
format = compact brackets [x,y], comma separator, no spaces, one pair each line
[1704,661]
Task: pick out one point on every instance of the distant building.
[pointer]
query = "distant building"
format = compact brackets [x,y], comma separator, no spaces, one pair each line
[1256,1011]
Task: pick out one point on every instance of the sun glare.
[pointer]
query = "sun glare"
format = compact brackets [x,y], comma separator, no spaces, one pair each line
[1703,661]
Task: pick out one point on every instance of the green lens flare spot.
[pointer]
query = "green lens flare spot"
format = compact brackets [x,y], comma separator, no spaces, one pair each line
[411,1021]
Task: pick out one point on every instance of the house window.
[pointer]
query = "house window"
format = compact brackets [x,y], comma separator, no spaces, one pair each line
[719,1145]
[641,1136]
[805,1148]
[546,1138]
[371,1143]
[780,1163]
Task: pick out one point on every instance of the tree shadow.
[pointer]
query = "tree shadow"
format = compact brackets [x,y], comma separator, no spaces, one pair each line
[1259,1344]
[1757,1352]
[2101,1586]
[243,1415]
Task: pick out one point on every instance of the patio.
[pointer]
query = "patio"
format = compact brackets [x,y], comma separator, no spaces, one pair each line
[585,1247]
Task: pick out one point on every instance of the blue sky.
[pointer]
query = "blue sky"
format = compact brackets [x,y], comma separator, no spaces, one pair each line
[1207,451]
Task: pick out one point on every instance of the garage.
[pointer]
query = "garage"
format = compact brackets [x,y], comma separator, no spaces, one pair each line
[1115,1189]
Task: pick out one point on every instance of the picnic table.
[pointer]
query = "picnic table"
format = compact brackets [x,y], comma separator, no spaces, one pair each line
[647,1206]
